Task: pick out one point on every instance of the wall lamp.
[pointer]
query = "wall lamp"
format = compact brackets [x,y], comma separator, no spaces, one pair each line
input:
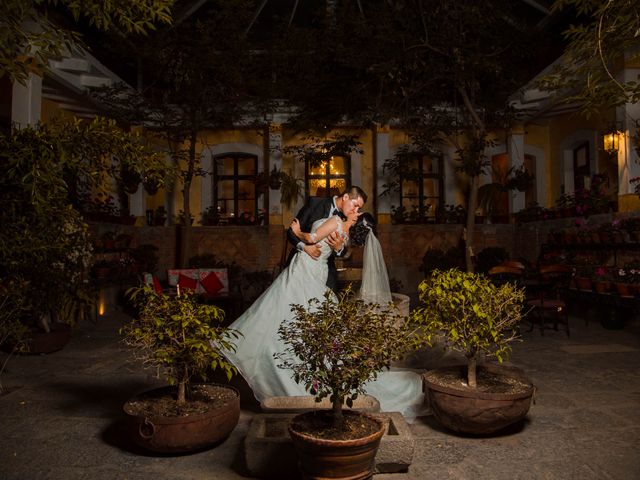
[611,139]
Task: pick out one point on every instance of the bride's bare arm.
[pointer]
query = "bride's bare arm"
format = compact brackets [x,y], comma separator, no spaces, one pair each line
[323,231]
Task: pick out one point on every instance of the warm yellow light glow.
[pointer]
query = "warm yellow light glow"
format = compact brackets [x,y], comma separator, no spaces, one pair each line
[611,142]
[101,308]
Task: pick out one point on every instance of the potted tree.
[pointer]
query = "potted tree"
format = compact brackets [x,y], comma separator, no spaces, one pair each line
[184,339]
[476,318]
[334,347]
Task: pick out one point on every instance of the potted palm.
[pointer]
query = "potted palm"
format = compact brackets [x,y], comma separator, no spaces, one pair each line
[182,338]
[334,347]
[477,318]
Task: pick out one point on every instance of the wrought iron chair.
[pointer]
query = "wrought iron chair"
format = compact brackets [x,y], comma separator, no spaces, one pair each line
[502,274]
[550,297]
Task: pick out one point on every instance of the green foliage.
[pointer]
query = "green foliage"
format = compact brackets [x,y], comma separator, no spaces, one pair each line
[438,259]
[12,308]
[145,255]
[24,48]
[335,346]
[316,151]
[291,189]
[474,315]
[44,242]
[179,336]
[451,214]
[587,69]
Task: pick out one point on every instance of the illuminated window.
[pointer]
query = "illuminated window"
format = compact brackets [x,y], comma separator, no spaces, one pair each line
[421,187]
[234,188]
[329,178]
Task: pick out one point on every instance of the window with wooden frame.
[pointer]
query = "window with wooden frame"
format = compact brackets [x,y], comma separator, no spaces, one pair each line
[328,178]
[421,187]
[234,188]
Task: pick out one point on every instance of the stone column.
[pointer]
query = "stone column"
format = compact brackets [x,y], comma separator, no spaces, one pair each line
[628,160]
[26,101]
[383,151]
[515,149]
[275,161]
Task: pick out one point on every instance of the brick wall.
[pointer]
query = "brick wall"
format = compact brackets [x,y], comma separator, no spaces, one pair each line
[261,248]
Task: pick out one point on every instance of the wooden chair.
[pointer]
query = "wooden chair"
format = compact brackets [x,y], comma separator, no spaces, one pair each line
[502,274]
[514,264]
[550,298]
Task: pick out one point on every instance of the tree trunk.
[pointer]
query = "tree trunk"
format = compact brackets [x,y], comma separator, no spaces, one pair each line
[185,245]
[471,372]
[471,222]
[336,411]
[182,393]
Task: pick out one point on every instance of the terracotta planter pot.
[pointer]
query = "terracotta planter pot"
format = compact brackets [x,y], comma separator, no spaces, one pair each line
[49,342]
[583,283]
[321,458]
[185,433]
[625,289]
[601,286]
[470,411]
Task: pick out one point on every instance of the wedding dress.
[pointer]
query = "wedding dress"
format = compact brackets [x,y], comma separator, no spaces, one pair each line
[303,279]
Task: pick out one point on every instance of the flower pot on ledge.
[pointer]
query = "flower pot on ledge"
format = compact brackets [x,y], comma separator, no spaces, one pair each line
[602,286]
[625,289]
[583,283]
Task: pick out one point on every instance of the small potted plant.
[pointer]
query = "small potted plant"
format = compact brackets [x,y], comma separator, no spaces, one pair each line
[334,347]
[181,218]
[475,317]
[211,216]
[290,190]
[182,338]
[160,216]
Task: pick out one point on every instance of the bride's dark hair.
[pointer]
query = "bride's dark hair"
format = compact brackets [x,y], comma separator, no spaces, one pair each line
[358,232]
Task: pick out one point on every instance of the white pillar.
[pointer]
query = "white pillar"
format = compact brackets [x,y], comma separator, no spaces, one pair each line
[383,151]
[137,202]
[515,149]
[275,160]
[628,159]
[26,101]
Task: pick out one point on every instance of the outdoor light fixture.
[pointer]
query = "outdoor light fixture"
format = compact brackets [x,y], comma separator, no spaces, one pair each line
[611,140]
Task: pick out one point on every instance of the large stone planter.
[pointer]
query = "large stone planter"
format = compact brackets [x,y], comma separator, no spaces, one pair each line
[466,410]
[299,404]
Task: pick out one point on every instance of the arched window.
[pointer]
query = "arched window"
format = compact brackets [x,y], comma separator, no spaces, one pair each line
[234,188]
[329,178]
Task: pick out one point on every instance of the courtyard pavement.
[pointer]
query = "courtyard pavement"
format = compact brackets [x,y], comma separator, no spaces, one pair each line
[62,417]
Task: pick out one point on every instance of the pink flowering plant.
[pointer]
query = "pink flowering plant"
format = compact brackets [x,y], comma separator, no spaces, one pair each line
[337,345]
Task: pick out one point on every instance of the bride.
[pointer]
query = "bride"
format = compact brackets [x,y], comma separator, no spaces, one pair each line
[303,279]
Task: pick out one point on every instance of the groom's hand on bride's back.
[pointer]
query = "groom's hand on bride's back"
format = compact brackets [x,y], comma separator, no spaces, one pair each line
[335,241]
[313,250]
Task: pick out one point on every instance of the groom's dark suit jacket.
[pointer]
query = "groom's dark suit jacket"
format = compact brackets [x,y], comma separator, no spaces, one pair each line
[315,209]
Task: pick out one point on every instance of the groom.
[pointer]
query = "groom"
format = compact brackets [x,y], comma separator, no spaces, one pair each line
[352,199]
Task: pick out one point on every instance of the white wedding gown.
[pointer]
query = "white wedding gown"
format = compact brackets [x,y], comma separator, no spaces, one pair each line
[303,279]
